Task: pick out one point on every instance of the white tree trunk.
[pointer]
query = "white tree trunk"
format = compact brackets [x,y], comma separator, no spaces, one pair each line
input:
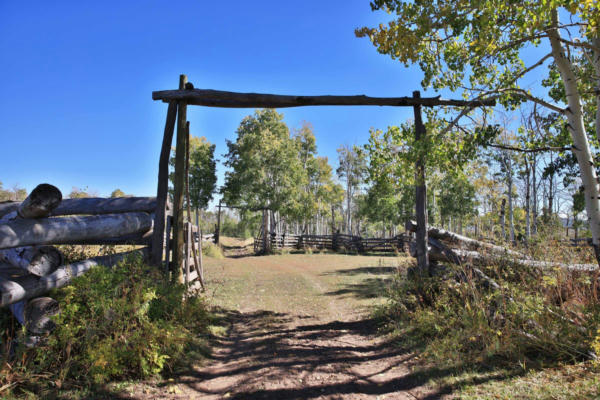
[581,147]
[527,200]
[596,63]
[535,194]
[503,218]
[511,218]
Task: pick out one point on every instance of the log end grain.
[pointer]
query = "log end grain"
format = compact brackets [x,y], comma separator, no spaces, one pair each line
[46,260]
[37,315]
[40,202]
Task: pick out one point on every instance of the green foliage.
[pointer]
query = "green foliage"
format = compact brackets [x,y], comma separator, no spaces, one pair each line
[352,165]
[265,167]
[119,193]
[202,171]
[243,227]
[78,193]
[472,43]
[319,192]
[122,323]
[457,195]
[352,169]
[203,177]
[392,155]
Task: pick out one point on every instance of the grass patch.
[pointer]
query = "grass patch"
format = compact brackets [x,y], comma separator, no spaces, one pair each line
[579,381]
[118,324]
[506,343]
[212,250]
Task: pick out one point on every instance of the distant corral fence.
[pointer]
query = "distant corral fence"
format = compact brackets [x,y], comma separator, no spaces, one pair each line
[335,242]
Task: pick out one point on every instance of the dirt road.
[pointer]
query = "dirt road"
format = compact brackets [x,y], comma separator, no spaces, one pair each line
[300,327]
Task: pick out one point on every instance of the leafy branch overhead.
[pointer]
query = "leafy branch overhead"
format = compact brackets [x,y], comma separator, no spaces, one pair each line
[478,47]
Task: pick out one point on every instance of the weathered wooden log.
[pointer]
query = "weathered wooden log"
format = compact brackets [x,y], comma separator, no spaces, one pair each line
[421,231]
[7,207]
[460,256]
[178,185]
[24,232]
[99,205]
[41,201]
[30,286]
[93,206]
[35,314]
[464,241]
[219,98]
[37,260]
[143,239]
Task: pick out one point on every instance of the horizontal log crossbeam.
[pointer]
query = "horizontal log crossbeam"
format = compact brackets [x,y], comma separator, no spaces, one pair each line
[224,99]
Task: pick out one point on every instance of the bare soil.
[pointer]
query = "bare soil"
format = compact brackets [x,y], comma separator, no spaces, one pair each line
[297,326]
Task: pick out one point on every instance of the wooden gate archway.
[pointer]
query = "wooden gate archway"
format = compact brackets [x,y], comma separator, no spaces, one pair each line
[178,101]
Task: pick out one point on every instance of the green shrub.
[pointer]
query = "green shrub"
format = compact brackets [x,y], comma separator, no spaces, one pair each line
[541,318]
[122,323]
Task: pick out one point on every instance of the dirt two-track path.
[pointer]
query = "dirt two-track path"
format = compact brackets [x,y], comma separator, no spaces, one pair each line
[299,326]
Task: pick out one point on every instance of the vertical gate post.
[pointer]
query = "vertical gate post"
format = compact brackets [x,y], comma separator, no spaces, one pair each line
[421,194]
[179,186]
[162,191]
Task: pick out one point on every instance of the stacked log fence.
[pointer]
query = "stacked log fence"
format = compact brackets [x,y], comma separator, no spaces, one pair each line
[31,266]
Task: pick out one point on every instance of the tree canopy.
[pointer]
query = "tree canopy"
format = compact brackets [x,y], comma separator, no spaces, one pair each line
[265,170]
[478,47]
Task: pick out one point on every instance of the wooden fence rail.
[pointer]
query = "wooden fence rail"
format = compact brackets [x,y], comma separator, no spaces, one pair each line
[350,243]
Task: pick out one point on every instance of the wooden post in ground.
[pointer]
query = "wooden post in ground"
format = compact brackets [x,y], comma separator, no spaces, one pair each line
[186,253]
[178,186]
[266,232]
[191,243]
[201,270]
[421,194]
[218,231]
[158,241]
[168,243]
[333,220]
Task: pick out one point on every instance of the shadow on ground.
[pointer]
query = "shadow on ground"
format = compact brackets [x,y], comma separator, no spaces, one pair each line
[375,283]
[268,355]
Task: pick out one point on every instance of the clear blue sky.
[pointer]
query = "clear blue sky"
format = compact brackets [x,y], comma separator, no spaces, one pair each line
[77,79]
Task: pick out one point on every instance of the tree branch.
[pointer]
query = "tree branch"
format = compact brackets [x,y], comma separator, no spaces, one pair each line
[524,94]
[531,68]
[584,45]
[535,150]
